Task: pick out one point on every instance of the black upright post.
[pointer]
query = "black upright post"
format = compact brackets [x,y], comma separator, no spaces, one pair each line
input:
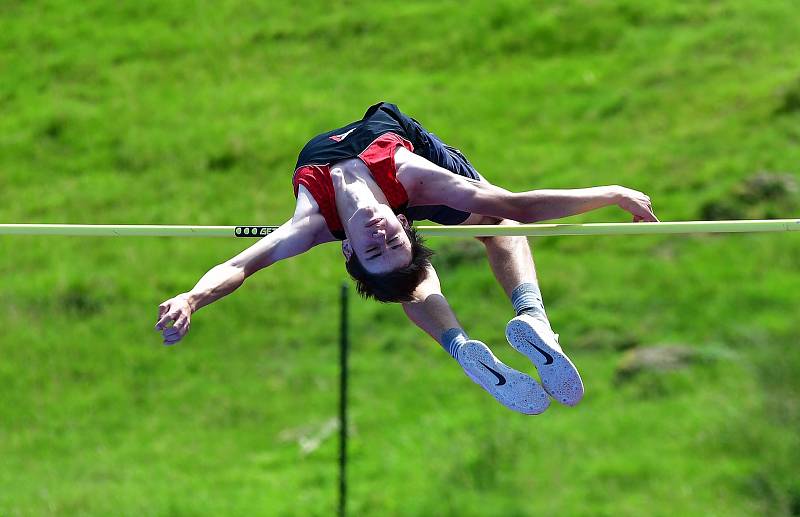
[343,351]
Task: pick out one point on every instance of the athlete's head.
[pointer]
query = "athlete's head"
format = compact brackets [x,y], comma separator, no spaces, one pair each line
[384,254]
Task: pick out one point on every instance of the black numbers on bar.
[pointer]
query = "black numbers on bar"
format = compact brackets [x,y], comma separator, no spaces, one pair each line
[253,231]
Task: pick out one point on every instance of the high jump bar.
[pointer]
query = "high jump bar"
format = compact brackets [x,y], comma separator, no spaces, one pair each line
[107,230]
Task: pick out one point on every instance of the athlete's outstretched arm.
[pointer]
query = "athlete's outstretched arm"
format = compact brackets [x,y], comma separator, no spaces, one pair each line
[303,231]
[429,184]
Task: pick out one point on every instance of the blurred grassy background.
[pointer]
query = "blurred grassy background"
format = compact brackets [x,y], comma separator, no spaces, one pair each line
[193,113]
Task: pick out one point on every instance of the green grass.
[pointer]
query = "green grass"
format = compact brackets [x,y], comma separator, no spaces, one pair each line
[186,113]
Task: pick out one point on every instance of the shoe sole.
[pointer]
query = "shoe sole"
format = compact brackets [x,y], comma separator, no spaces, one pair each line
[559,376]
[519,392]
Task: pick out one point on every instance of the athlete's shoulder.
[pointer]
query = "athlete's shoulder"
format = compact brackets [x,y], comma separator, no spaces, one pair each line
[308,217]
[305,204]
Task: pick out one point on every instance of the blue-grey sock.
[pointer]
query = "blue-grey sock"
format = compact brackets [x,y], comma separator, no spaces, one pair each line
[527,299]
[452,339]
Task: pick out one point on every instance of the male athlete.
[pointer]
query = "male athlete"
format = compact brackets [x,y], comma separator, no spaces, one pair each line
[363,184]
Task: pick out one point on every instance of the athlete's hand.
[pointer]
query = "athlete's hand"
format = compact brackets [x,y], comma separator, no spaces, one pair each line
[178,312]
[637,203]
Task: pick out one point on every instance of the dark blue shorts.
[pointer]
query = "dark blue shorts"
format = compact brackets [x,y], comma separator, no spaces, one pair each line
[447,157]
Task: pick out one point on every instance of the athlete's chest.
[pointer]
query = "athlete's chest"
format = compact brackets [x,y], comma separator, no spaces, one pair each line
[355,170]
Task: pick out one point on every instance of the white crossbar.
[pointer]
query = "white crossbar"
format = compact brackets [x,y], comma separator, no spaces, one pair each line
[107,230]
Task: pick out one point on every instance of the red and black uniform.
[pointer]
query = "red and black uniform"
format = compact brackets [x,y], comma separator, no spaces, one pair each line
[374,140]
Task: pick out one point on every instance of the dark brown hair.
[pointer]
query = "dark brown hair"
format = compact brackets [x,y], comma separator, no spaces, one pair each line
[397,285]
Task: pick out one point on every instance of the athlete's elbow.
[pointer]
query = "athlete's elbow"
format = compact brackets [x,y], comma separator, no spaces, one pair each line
[251,266]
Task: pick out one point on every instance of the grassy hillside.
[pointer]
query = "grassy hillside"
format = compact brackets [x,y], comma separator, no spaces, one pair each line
[178,113]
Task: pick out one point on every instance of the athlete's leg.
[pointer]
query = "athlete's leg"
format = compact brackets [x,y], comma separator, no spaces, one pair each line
[511,260]
[431,312]
[530,332]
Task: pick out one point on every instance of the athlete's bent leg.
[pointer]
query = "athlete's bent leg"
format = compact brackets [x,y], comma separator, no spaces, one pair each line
[431,312]
[510,257]
[529,332]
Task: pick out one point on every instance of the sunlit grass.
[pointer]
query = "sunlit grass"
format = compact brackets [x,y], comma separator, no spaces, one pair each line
[178,113]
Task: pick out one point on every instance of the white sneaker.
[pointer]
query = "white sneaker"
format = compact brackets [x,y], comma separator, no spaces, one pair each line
[534,338]
[513,389]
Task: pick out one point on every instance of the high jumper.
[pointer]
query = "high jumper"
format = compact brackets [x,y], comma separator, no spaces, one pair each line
[363,184]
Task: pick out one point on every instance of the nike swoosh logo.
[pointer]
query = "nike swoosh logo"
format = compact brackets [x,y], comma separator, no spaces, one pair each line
[548,359]
[500,379]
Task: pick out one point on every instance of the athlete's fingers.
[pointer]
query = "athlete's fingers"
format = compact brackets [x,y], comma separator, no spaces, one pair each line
[178,330]
[182,326]
[169,316]
[161,310]
[161,321]
[164,322]
[179,317]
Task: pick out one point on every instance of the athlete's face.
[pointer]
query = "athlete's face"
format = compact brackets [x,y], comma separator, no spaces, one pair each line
[377,236]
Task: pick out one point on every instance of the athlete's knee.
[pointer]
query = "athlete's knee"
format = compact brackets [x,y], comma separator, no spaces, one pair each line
[495,221]
[486,220]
